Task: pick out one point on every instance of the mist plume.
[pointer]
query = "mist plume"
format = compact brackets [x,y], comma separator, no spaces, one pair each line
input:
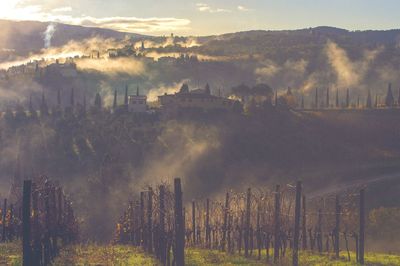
[48,34]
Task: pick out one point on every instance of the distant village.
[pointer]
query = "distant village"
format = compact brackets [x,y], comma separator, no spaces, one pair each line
[200,101]
[242,99]
[67,67]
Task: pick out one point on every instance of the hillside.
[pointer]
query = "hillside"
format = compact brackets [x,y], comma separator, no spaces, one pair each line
[24,37]
[108,156]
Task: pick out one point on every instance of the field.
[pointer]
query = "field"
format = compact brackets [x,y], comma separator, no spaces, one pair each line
[10,254]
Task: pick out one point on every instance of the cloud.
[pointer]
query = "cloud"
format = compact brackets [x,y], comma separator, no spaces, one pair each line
[112,67]
[133,24]
[21,10]
[202,7]
[62,9]
[243,8]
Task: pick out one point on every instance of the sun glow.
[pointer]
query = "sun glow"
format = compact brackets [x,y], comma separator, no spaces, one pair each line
[13,9]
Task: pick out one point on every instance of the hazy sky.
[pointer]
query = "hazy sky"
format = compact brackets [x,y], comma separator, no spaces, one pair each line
[203,17]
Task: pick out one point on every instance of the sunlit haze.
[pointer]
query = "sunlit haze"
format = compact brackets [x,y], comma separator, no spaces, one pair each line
[188,17]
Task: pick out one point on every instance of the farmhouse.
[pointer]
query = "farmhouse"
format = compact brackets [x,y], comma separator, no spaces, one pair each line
[200,99]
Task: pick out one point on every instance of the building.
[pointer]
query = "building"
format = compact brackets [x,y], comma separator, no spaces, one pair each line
[112,53]
[199,99]
[137,103]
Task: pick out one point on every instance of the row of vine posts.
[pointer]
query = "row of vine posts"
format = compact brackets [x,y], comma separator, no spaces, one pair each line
[44,221]
[244,223]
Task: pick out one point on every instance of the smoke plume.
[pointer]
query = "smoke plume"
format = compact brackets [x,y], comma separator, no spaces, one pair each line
[48,34]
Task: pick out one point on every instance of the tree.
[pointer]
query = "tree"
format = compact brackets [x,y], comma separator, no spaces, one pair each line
[97,102]
[115,100]
[59,98]
[72,98]
[389,101]
[287,100]
[44,110]
[32,110]
[262,90]
[369,100]
[184,88]
[327,97]
[262,94]
[398,99]
[337,98]
[241,92]
[207,89]
[126,98]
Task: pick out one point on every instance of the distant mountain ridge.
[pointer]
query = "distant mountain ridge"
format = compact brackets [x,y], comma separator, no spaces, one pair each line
[25,37]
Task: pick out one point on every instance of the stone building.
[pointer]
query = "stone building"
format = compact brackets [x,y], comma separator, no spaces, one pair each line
[198,99]
[137,103]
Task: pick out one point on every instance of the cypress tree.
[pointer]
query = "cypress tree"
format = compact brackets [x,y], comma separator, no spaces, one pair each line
[97,102]
[347,98]
[398,99]
[31,110]
[389,102]
[59,98]
[327,98]
[72,97]
[369,100]
[115,100]
[126,95]
[44,110]
[337,97]
[84,102]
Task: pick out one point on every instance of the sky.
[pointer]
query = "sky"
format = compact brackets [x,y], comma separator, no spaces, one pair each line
[207,17]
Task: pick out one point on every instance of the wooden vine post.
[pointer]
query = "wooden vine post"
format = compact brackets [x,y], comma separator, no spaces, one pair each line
[297,225]
[179,225]
[162,239]
[319,231]
[337,227]
[4,233]
[362,227]
[247,223]
[26,223]
[225,225]
[304,224]
[150,221]
[142,231]
[208,235]
[277,224]
[194,222]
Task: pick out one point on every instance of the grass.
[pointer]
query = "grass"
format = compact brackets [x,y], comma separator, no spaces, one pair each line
[82,255]
[211,257]
[10,253]
[103,255]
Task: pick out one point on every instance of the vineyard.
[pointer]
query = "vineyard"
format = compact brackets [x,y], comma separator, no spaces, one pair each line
[270,225]
[255,227]
[44,220]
